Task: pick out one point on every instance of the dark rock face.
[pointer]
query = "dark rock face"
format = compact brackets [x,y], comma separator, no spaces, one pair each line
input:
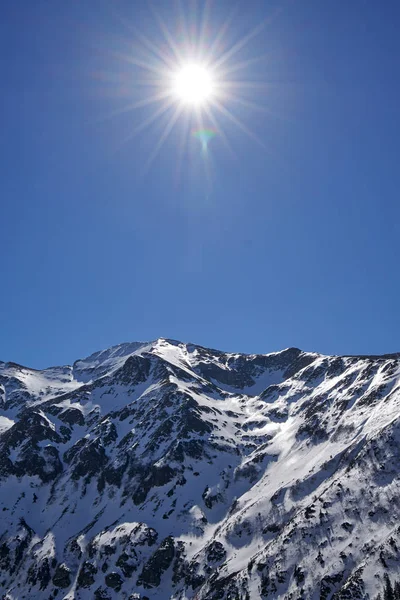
[88,460]
[27,435]
[153,477]
[243,370]
[101,594]
[86,577]
[211,499]
[136,370]
[40,574]
[125,564]
[215,552]
[158,564]
[72,416]
[114,581]
[62,576]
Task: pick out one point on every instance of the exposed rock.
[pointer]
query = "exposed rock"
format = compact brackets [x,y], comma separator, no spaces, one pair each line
[62,576]
[86,577]
[158,564]
[114,581]
[277,473]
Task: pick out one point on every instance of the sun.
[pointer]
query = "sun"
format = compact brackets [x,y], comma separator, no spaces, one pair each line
[190,71]
[193,85]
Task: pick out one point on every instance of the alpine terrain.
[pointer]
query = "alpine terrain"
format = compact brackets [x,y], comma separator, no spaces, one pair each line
[165,470]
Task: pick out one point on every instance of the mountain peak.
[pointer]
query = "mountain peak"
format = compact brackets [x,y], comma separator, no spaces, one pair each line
[167,470]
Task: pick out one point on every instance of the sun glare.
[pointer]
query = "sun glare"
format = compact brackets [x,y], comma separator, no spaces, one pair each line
[193,85]
[187,72]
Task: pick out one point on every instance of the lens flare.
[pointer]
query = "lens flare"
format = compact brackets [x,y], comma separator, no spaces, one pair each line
[204,136]
[190,72]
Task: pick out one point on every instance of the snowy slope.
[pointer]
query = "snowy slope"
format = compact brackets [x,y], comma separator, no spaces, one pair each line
[165,470]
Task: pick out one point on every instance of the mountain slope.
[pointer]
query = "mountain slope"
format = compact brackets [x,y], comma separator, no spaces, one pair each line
[166,470]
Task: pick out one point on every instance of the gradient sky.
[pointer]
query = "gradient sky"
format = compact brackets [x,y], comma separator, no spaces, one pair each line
[294,243]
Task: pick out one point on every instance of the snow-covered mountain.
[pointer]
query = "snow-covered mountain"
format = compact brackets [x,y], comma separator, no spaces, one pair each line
[165,470]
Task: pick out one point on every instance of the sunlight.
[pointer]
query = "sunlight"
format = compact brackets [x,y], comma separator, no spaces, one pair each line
[195,77]
[193,85]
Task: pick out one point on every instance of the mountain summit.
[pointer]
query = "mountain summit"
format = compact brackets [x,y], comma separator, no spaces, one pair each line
[166,470]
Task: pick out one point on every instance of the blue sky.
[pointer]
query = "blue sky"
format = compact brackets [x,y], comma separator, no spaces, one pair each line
[293,243]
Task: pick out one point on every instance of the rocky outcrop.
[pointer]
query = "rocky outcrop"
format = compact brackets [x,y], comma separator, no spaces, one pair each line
[171,470]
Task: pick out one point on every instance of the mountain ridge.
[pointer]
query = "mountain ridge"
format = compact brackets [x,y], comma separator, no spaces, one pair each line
[121,345]
[144,343]
[167,470]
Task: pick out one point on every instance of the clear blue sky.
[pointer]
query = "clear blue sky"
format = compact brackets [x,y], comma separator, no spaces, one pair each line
[296,244]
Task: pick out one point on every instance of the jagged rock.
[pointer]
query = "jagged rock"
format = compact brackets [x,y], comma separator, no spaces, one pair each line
[215,552]
[86,577]
[72,416]
[158,564]
[40,573]
[211,499]
[62,576]
[101,594]
[290,460]
[114,581]
[155,476]
[124,563]
[89,460]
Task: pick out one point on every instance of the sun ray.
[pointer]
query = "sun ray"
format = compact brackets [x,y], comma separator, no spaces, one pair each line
[129,107]
[239,66]
[247,38]
[248,85]
[183,28]
[143,125]
[182,144]
[197,70]
[258,107]
[167,35]
[152,118]
[203,28]
[193,24]
[240,44]
[228,114]
[146,65]
[200,121]
[250,104]
[222,32]
[164,136]
[155,50]
[143,39]
[206,161]
[219,128]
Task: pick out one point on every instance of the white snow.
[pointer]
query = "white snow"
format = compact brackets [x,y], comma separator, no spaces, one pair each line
[268,487]
[5,423]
